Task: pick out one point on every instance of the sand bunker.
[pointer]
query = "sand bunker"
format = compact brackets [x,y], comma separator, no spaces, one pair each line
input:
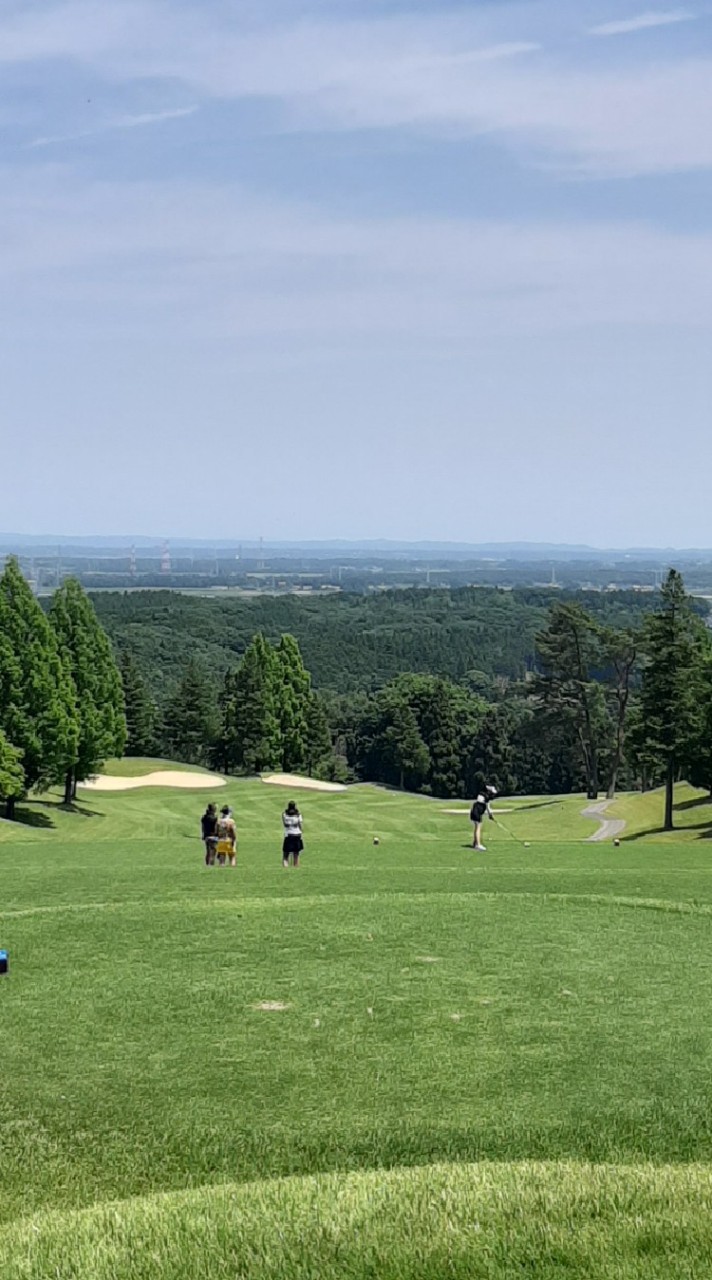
[165,778]
[294,780]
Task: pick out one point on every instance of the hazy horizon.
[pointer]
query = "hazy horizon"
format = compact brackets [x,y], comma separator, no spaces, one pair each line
[376,269]
[264,544]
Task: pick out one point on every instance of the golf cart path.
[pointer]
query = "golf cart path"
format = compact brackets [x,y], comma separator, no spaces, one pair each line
[609,828]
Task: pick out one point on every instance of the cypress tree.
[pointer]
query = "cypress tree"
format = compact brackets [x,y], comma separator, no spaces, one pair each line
[252,724]
[38,711]
[442,740]
[12,774]
[88,656]
[318,735]
[140,708]
[294,691]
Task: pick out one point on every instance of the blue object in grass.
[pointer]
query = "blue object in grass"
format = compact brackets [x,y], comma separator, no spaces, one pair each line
[4,962]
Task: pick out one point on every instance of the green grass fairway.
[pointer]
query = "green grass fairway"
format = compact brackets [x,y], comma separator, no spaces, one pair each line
[398,1061]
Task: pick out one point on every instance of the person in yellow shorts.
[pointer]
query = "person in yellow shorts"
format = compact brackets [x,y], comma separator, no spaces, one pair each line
[227,838]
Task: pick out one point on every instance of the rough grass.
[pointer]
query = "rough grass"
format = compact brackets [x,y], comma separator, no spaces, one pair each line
[136,767]
[644,815]
[167,1028]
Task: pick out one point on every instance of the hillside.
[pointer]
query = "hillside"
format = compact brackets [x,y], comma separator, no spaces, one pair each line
[349,642]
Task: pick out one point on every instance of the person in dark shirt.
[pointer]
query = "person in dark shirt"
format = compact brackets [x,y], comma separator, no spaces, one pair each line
[480,808]
[209,828]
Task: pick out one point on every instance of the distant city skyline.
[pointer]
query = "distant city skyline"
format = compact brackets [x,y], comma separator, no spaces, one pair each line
[370,269]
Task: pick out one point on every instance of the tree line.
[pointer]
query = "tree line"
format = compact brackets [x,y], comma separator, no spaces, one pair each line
[613,697]
[61,700]
[352,643]
[604,707]
[265,717]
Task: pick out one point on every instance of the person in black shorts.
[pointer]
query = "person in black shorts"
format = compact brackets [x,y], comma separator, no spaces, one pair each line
[292,844]
[479,810]
[209,829]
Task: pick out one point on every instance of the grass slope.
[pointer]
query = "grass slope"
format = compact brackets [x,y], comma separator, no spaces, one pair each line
[136,767]
[548,1004]
[484,1222]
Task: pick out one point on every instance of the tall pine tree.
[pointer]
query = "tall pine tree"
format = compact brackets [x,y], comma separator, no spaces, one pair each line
[294,691]
[140,708]
[251,730]
[88,656]
[674,643]
[190,723]
[405,754]
[569,650]
[38,710]
[319,749]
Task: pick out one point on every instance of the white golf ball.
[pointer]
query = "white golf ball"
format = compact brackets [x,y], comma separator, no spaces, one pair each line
[376,840]
[527,845]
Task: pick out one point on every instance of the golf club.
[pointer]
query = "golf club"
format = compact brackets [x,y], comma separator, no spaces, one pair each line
[524,843]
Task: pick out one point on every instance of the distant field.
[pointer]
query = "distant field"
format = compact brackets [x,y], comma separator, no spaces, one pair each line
[410,1024]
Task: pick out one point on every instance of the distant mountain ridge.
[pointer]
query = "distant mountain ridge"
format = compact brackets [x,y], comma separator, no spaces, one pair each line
[10,542]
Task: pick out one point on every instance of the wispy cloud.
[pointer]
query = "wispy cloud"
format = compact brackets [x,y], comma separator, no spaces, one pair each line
[642,22]
[121,122]
[218,262]
[459,71]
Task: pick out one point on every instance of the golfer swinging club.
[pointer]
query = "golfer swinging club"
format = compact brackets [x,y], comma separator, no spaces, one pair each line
[477,813]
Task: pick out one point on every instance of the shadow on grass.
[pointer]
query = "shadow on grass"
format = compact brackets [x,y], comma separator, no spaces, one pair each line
[697,803]
[31,818]
[703,831]
[32,813]
[537,804]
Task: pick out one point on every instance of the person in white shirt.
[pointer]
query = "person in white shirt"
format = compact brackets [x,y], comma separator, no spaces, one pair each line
[292,844]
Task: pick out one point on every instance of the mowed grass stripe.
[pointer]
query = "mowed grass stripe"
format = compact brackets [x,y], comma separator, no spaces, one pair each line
[137,1056]
[484,1222]
[240,905]
[166,1027]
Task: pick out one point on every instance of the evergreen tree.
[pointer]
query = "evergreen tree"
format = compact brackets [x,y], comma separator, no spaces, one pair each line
[318,743]
[406,756]
[294,692]
[191,720]
[88,656]
[699,771]
[442,737]
[38,711]
[251,720]
[12,774]
[569,650]
[140,708]
[620,653]
[674,644]
[489,759]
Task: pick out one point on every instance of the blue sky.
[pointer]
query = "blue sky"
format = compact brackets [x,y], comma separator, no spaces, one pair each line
[356,269]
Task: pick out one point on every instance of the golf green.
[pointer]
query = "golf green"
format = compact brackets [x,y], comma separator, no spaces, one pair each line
[413,1019]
